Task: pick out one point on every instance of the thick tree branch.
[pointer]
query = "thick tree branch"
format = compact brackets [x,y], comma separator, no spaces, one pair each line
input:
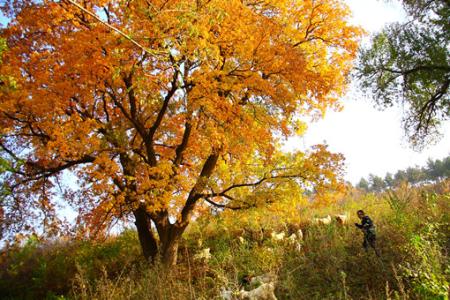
[183,145]
[162,111]
[195,193]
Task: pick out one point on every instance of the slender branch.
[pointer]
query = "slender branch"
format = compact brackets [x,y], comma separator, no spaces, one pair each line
[417,69]
[253,184]
[153,52]
[226,206]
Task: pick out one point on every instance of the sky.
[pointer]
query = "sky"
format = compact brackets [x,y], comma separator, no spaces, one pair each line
[372,141]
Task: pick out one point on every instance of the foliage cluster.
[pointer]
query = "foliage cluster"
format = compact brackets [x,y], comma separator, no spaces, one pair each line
[408,63]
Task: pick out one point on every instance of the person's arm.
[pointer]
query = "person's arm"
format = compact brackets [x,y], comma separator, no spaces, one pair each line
[360,226]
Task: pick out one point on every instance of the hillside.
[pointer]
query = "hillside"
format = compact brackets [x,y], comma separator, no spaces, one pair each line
[413,237]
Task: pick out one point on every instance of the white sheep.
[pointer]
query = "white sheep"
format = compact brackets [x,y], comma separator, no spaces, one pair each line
[263,292]
[292,238]
[294,241]
[226,294]
[265,278]
[341,219]
[277,236]
[203,255]
[298,247]
[324,221]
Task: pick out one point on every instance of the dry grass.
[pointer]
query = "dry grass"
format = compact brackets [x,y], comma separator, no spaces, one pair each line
[413,237]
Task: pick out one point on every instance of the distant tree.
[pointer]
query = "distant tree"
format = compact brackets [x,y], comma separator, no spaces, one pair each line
[409,63]
[438,169]
[377,183]
[446,163]
[400,177]
[415,175]
[435,170]
[389,180]
[363,185]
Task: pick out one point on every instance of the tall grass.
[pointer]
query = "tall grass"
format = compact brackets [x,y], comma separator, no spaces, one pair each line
[413,237]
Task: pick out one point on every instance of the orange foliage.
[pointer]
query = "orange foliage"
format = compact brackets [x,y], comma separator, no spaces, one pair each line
[173,109]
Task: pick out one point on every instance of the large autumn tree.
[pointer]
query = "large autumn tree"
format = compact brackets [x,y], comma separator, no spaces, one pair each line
[163,108]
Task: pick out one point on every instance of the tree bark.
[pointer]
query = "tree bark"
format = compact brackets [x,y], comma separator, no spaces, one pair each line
[169,236]
[169,252]
[146,238]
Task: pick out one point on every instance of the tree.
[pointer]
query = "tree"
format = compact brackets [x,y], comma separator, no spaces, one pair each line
[377,183]
[389,180]
[415,175]
[438,169]
[408,63]
[400,177]
[363,184]
[166,108]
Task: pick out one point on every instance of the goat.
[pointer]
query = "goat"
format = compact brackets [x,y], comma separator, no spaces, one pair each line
[277,236]
[341,219]
[226,294]
[324,221]
[203,255]
[265,278]
[263,292]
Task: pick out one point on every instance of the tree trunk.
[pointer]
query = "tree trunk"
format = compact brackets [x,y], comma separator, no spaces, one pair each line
[169,236]
[146,237]
[169,252]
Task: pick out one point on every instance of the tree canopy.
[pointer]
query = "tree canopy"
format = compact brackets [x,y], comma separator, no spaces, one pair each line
[408,63]
[164,108]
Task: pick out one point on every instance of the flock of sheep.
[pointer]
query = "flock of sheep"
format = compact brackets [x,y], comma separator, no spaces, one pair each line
[263,287]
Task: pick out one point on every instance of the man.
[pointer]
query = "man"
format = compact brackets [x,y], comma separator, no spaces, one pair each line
[368,228]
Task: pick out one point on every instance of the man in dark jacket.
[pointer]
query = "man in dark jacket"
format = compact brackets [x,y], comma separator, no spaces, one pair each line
[368,228]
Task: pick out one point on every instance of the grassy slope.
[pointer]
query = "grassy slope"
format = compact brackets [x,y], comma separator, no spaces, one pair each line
[413,235]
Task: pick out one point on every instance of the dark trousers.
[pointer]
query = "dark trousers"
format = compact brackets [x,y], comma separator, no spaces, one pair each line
[370,240]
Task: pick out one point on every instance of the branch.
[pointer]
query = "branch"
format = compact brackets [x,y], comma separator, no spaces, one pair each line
[417,69]
[226,206]
[153,52]
[164,107]
[195,193]
[42,172]
[182,146]
[253,184]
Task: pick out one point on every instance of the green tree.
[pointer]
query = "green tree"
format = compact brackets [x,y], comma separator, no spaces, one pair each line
[415,175]
[377,183]
[363,185]
[400,177]
[389,180]
[438,169]
[408,63]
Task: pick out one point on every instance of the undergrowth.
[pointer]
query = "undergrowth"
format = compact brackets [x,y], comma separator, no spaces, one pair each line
[413,236]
